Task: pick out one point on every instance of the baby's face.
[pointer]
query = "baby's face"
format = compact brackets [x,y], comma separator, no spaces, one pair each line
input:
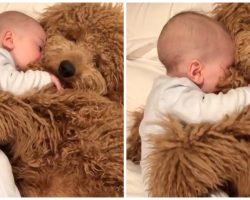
[216,71]
[28,46]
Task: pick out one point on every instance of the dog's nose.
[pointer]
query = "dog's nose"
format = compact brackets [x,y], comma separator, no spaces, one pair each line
[66,69]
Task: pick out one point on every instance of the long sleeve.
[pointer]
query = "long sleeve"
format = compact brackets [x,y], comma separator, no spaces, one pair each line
[192,105]
[18,82]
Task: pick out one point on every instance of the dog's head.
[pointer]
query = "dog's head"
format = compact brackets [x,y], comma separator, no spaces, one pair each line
[235,17]
[84,46]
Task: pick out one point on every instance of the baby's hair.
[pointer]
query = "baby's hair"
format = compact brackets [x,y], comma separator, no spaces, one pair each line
[186,34]
[15,19]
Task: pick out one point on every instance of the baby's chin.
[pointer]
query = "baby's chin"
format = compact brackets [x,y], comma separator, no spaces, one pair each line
[210,90]
[24,67]
[21,68]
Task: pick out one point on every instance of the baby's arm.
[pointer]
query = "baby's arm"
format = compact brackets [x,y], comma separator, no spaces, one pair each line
[18,82]
[194,106]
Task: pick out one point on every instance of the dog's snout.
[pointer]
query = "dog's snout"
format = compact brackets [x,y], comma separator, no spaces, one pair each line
[66,69]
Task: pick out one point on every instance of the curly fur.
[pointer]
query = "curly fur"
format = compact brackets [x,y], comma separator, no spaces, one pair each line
[235,17]
[90,36]
[196,159]
[134,140]
[70,143]
[206,158]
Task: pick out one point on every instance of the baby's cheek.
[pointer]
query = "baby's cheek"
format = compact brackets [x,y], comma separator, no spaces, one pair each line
[37,56]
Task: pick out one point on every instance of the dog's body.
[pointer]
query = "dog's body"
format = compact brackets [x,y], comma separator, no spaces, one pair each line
[71,143]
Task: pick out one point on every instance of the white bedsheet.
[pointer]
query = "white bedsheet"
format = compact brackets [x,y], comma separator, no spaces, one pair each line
[31,9]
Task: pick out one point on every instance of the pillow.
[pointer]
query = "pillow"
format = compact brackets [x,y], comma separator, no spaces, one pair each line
[145,21]
[31,9]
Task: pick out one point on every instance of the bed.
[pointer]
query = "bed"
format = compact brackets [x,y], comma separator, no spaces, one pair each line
[144,23]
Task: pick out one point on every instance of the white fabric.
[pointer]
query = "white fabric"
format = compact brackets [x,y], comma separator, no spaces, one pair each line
[134,181]
[32,9]
[19,82]
[145,21]
[7,183]
[180,97]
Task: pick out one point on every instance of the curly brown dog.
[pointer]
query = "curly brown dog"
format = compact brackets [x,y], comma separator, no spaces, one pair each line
[89,37]
[196,159]
[71,143]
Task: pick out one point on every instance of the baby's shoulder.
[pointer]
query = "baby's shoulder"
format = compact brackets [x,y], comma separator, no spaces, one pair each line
[5,54]
[167,82]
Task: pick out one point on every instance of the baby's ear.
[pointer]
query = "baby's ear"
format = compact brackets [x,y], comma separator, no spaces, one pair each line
[7,40]
[195,72]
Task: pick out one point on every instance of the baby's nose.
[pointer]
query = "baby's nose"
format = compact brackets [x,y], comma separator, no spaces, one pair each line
[66,69]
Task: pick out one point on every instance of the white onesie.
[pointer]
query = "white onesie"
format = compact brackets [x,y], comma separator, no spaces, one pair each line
[19,82]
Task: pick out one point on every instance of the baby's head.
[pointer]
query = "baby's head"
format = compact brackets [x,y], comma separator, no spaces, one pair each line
[195,46]
[22,36]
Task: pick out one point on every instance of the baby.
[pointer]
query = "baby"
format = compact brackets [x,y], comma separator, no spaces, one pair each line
[22,40]
[197,52]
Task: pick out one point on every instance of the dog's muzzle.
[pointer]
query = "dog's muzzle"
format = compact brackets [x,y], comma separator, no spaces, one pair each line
[66,69]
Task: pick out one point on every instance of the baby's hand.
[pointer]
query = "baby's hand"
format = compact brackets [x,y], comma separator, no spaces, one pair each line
[56,82]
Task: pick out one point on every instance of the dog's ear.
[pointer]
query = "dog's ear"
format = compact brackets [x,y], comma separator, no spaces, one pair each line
[115,90]
[72,33]
[56,15]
